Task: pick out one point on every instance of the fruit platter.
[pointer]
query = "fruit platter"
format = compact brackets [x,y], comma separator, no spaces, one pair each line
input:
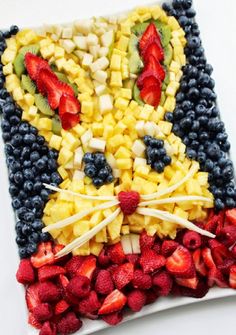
[119,168]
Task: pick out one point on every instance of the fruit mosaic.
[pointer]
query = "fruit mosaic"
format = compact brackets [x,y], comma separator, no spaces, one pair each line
[118,165]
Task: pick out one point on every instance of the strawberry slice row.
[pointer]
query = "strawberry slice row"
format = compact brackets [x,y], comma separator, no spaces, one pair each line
[150,81]
[60,95]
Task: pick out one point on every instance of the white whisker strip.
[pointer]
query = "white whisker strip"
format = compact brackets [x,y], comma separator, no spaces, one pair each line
[82,196]
[175,219]
[174,200]
[66,222]
[194,168]
[78,242]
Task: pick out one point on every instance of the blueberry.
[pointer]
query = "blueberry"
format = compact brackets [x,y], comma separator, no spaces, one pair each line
[28,186]
[45,178]
[28,174]
[97,182]
[187,105]
[213,151]
[18,228]
[34,237]
[161,152]
[200,110]
[13,190]
[180,97]
[36,147]
[23,128]
[183,21]
[52,164]
[186,140]
[226,146]
[33,130]
[221,137]
[190,13]
[228,173]
[146,139]
[21,212]
[169,117]
[5,125]
[187,4]
[52,153]
[159,166]
[209,165]
[155,143]
[185,123]
[18,178]
[222,162]
[231,192]
[192,136]
[37,202]
[56,178]
[203,120]
[37,225]
[191,153]
[208,93]
[183,86]
[14,30]
[109,179]
[25,153]
[22,195]
[178,114]
[44,195]
[217,193]
[195,125]
[208,69]
[103,173]
[216,172]
[14,166]
[44,237]
[29,217]
[230,202]
[17,152]
[40,140]
[193,94]
[31,248]
[166,160]
[201,157]
[40,164]
[38,186]
[191,115]
[29,139]
[27,229]
[219,205]
[28,203]
[14,120]
[34,156]
[14,130]
[88,158]
[23,252]
[21,241]
[166,7]
[177,4]
[8,109]
[99,159]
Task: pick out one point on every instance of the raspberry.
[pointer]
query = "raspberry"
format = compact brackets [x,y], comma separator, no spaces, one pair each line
[42,312]
[164,283]
[123,275]
[136,300]
[25,272]
[168,247]
[33,322]
[141,280]
[113,319]
[157,247]
[129,201]
[79,286]
[73,265]
[226,265]
[69,324]
[116,253]
[48,329]
[90,304]
[133,258]
[151,261]
[151,295]
[48,292]
[146,241]
[192,240]
[103,258]
[104,283]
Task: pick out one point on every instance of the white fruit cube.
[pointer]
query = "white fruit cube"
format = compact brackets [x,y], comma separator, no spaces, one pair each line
[81,42]
[111,160]
[103,51]
[78,158]
[135,243]
[139,162]
[150,128]
[68,45]
[100,64]
[100,76]
[138,148]
[67,32]
[100,89]
[126,244]
[93,49]
[107,38]
[86,137]
[97,144]
[105,103]
[78,175]
[116,173]
[84,26]
[92,39]
[140,128]
[87,60]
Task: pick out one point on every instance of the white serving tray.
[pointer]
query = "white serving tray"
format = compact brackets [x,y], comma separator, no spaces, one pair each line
[10,290]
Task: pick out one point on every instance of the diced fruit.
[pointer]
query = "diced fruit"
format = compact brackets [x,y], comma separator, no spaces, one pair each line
[56,125]
[47,272]
[114,302]
[68,104]
[155,67]
[163,282]
[168,247]
[146,241]
[150,261]
[219,251]
[43,256]
[180,263]
[32,297]
[216,277]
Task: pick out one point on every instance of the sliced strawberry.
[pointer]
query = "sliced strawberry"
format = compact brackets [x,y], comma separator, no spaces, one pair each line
[198,262]
[48,272]
[32,296]
[149,34]
[155,49]
[88,266]
[69,121]
[116,253]
[199,292]
[123,275]
[147,78]
[151,95]
[146,241]
[232,277]
[228,236]
[63,281]
[57,248]
[61,307]
[68,104]
[226,266]
[207,258]
[150,261]
[44,74]
[43,256]
[34,64]
[33,321]
[155,67]
[219,251]
[216,277]
[114,302]
[215,223]
[180,263]
[231,215]
[188,282]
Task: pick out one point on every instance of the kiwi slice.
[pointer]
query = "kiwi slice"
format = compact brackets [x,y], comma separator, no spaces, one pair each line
[135,63]
[168,51]
[43,105]
[163,98]
[32,48]
[133,43]
[27,84]
[136,95]
[129,83]
[139,28]
[56,125]
[19,65]
[62,77]
[165,35]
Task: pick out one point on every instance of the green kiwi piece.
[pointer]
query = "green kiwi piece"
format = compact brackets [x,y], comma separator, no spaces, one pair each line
[32,48]
[163,98]
[133,43]
[62,77]
[139,28]
[129,83]
[43,105]
[19,65]
[27,84]
[168,51]
[135,63]
[136,95]
[56,125]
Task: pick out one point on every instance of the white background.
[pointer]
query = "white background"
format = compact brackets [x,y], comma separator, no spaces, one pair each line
[217,20]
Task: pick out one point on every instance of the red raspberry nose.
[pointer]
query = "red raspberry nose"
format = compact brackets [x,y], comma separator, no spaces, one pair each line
[129,201]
